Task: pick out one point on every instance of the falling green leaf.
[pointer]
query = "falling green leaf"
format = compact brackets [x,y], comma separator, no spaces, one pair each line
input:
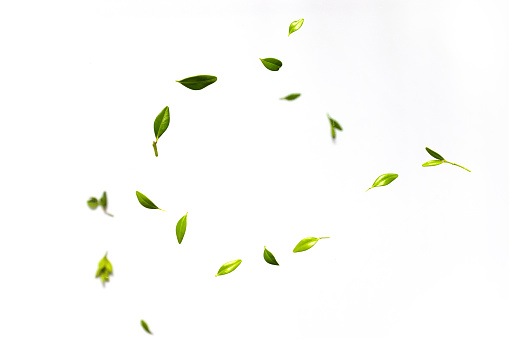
[198,82]
[383,180]
[161,124]
[434,154]
[269,257]
[333,126]
[432,163]
[104,270]
[291,97]
[442,160]
[229,267]
[306,243]
[294,26]
[92,203]
[145,327]
[181,228]
[146,202]
[104,203]
[272,64]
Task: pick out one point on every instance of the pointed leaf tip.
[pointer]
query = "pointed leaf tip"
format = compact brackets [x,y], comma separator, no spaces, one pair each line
[295,26]
[271,64]
[145,327]
[146,202]
[229,267]
[198,82]
[269,257]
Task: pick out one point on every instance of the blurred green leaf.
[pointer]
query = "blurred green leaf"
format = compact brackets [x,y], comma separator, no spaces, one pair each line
[104,270]
[291,97]
[145,327]
[93,203]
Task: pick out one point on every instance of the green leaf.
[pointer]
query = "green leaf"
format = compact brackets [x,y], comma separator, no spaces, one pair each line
[290,97]
[161,122]
[333,126]
[432,163]
[145,327]
[92,203]
[181,228]
[229,267]
[146,202]
[294,26]
[272,64]
[383,180]
[198,82]
[269,257]
[104,270]
[104,201]
[434,154]
[306,243]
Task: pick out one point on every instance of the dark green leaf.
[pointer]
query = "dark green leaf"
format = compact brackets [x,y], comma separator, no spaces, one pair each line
[434,154]
[229,267]
[306,243]
[333,126]
[104,201]
[93,203]
[145,327]
[292,96]
[181,228]
[198,82]
[269,257]
[432,163]
[161,122]
[294,26]
[272,64]
[146,202]
[383,180]
[104,270]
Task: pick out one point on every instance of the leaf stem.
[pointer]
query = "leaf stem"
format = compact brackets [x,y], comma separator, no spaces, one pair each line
[323,238]
[369,188]
[457,165]
[108,214]
[154,144]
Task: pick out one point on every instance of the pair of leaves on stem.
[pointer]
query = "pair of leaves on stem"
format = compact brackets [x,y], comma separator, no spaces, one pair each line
[295,26]
[440,160]
[272,64]
[334,125]
[161,124]
[103,202]
[146,202]
[384,180]
[145,327]
[104,270]
[198,82]
[291,97]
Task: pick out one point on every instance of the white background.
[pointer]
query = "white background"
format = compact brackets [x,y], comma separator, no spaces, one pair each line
[425,257]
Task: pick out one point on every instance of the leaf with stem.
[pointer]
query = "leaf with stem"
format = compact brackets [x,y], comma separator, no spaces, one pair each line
[384,180]
[306,243]
[440,160]
[104,203]
[146,202]
[161,124]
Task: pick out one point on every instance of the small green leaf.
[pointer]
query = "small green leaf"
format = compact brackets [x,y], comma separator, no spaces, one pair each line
[272,64]
[294,26]
[383,180]
[198,82]
[434,154]
[229,267]
[146,202]
[104,201]
[291,97]
[145,327]
[306,243]
[181,228]
[104,270]
[269,257]
[333,126]
[432,163]
[92,203]
[161,122]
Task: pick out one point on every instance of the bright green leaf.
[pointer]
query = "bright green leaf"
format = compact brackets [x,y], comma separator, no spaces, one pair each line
[145,327]
[294,26]
[181,228]
[383,180]
[432,163]
[290,97]
[229,267]
[272,64]
[92,203]
[306,243]
[161,122]
[269,257]
[434,154]
[198,82]
[104,270]
[146,202]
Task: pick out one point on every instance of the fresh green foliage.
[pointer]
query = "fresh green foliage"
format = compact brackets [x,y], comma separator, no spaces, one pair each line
[229,267]
[383,180]
[269,257]
[306,243]
[333,126]
[145,327]
[440,160]
[92,203]
[103,202]
[291,97]
[198,82]
[146,202]
[272,64]
[294,26]
[104,270]
[181,228]
[161,124]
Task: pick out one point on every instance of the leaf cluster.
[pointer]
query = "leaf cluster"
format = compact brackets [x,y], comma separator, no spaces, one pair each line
[104,270]
[93,203]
